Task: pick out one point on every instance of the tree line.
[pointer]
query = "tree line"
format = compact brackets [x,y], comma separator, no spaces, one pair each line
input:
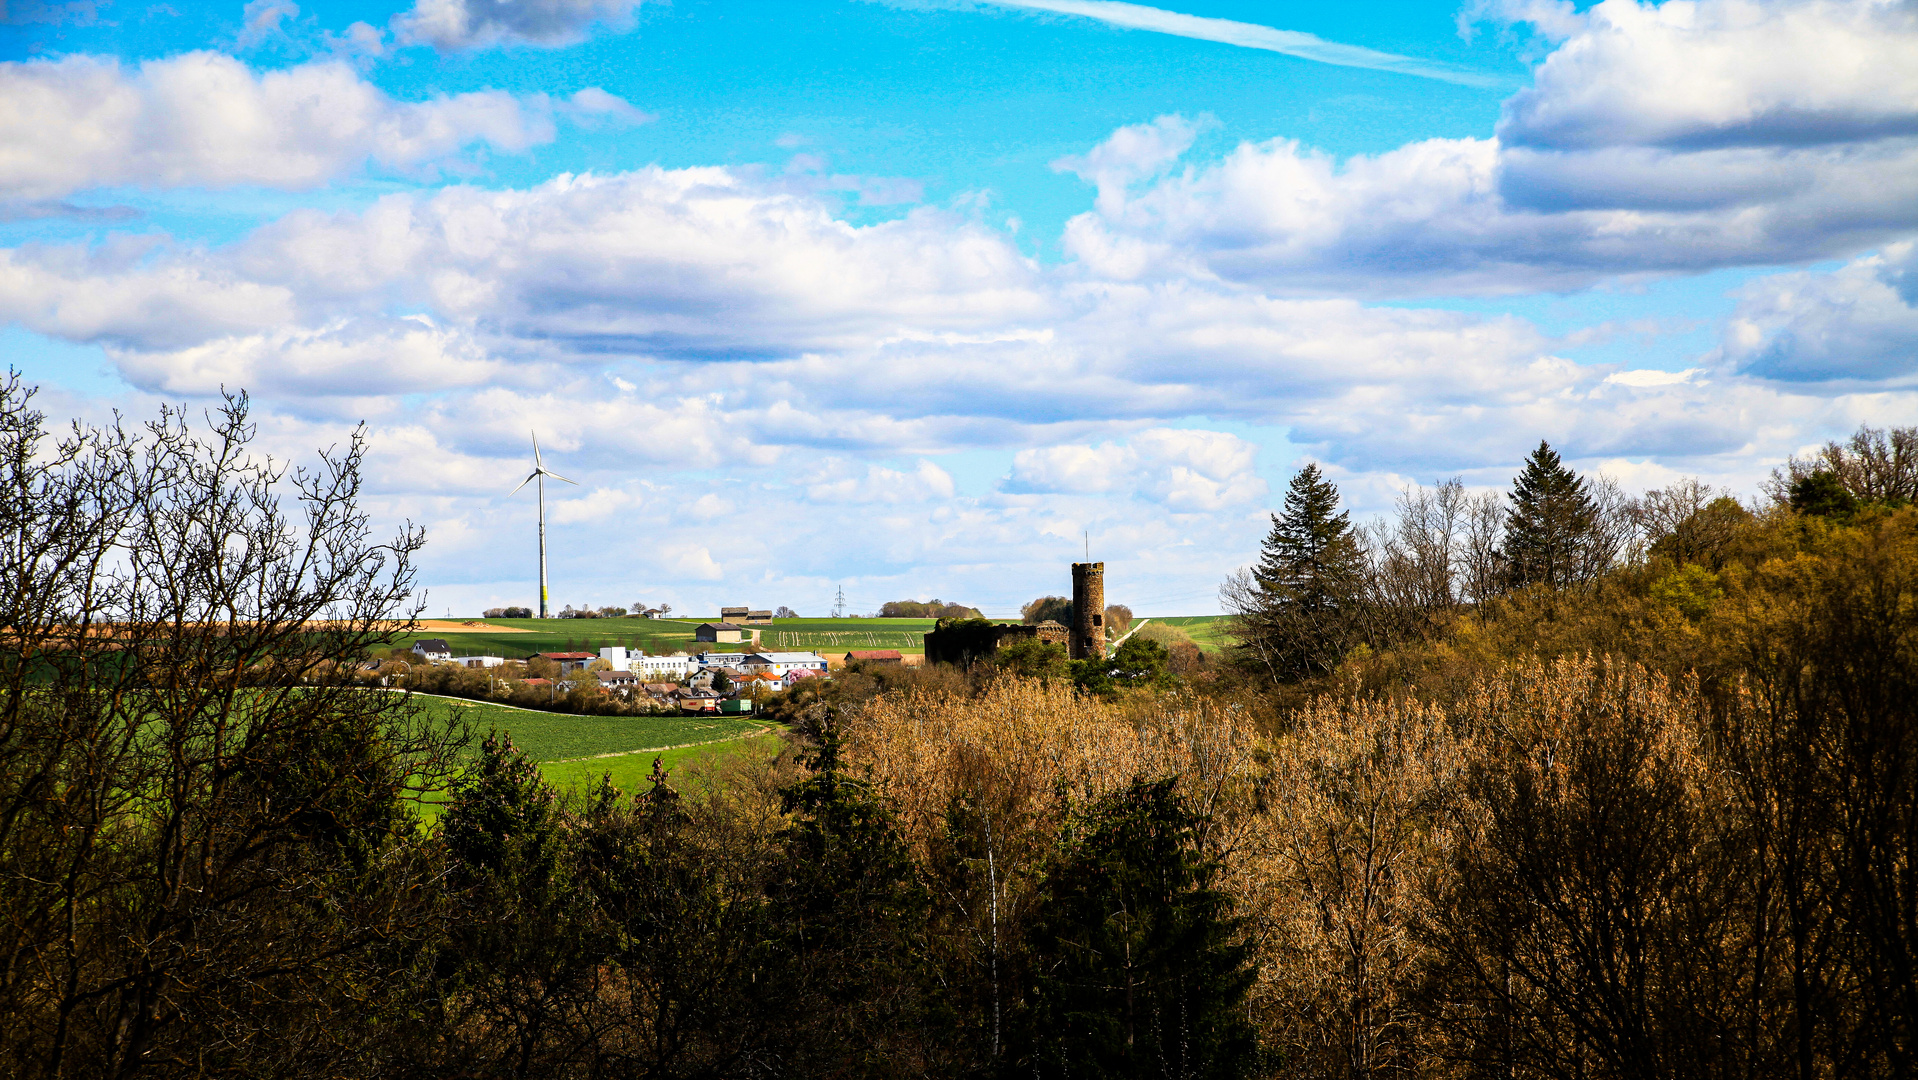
[1647,815]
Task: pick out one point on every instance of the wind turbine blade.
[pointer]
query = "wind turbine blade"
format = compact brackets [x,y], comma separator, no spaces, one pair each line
[557,476]
[522,483]
[537,465]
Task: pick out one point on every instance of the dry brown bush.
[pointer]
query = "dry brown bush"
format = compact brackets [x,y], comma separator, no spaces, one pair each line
[1328,833]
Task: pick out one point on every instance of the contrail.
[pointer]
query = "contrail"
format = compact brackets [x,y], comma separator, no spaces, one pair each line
[1251,36]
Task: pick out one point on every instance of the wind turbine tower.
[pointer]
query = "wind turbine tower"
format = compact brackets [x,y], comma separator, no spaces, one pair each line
[540,473]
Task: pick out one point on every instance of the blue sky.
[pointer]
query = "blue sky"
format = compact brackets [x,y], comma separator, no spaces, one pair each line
[909,295]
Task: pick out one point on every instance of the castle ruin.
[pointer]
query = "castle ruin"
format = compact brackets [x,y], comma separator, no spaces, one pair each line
[1088,610]
[964,641]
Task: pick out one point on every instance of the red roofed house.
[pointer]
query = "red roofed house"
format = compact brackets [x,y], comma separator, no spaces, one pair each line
[569,661]
[875,656]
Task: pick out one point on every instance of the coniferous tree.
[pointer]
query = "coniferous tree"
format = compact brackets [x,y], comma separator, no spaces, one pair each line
[1141,968]
[1551,526]
[1310,560]
[1298,608]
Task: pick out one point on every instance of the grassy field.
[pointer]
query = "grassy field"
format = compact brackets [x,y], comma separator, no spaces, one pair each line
[572,750]
[1207,631]
[629,771]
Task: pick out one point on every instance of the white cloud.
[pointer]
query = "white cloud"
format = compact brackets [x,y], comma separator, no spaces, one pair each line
[1857,325]
[1693,74]
[1665,138]
[111,294]
[1466,216]
[699,262]
[879,484]
[453,25]
[206,119]
[361,358]
[261,20]
[1184,470]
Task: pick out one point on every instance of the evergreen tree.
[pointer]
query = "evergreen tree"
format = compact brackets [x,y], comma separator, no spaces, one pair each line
[848,963]
[1141,968]
[1822,494]
[1299,607]
[1310,560]
[1550,529]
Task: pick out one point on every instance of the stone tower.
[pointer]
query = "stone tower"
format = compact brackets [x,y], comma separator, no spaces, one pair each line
[1088,610]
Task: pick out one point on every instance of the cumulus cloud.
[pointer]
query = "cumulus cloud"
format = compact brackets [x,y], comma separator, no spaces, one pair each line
[1668,138]
[1467,216]
[206,119]
[1717,73]
[360,358]
[1857,325]
[1185,470]
[112,294]
[454,25]
[878,484]
[699,262]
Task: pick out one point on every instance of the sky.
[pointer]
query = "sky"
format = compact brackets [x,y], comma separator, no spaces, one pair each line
[930,298]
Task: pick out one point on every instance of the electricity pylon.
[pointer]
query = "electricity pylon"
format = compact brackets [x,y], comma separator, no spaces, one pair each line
[540,472]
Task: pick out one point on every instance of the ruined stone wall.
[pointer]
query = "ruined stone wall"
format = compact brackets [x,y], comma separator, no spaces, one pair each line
[1088,610]
[964,641]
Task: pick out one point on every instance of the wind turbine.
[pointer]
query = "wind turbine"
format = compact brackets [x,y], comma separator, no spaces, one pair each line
[540,472]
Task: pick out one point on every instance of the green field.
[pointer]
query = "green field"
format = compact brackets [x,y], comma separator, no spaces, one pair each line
[629,771]
[545,736]
[1207,631]
[574,750]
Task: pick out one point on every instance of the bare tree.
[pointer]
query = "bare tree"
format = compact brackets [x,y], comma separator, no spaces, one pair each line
[201,835]
[1874,465]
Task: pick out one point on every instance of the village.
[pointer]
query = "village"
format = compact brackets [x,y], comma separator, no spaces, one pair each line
[712,681]
[734,682]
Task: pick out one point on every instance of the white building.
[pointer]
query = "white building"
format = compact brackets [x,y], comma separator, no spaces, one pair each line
[721,659]
[479,661]
[433,649]
[779,663]
[677,668]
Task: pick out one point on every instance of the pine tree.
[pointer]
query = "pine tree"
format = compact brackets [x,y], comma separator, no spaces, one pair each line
[1141,964]
[1550,528]
[1299,607]
[1310,561]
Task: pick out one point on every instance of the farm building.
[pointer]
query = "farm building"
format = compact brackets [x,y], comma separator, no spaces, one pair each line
[719,633]
[875,656]
[568,661]
[433,649]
